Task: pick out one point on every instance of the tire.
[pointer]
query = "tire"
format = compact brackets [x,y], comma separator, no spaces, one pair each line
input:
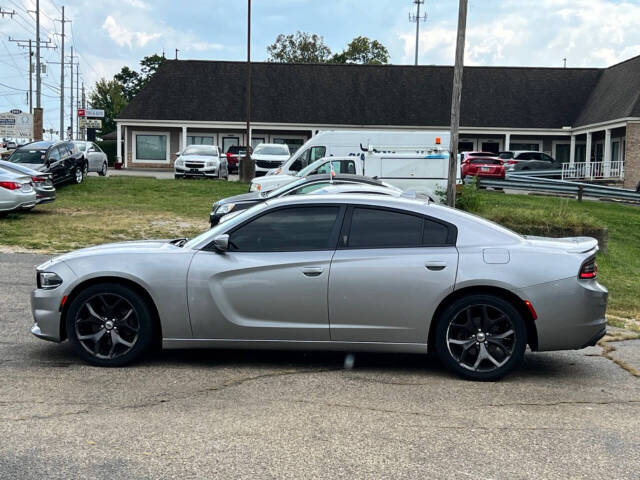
[124,311]
[78,175]
[103,172]
[461,338]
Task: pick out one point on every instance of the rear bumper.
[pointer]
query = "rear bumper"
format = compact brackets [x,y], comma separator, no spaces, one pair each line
[571,313]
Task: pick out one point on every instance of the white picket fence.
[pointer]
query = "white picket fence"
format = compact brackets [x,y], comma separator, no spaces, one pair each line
[593,170]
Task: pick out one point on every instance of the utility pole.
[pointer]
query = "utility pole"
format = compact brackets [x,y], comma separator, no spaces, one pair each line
[38,79]
[27,44]
[247,166]
[7,12]
[456,95]
[564,60]
[62,35]
[84,105]
[177,53]
[77,100]
[417,19]
[71,99]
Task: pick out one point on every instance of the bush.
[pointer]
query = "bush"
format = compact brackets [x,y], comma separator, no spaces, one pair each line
[109,147]
[469,198]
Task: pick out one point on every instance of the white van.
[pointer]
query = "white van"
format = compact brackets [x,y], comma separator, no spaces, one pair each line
[423,171]
[347,142]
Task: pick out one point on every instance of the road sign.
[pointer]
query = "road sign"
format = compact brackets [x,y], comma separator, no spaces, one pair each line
[18,125]
[16,111]
[90,123]
[91,112]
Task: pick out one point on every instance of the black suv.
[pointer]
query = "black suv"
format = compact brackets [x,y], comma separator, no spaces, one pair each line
[61,159]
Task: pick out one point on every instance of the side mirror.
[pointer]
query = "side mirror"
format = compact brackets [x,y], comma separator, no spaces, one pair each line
[221,243]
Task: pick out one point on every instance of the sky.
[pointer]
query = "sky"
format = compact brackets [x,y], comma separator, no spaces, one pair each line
[112,33]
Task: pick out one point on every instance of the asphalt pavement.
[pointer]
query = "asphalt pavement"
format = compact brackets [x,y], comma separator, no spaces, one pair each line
[238,414]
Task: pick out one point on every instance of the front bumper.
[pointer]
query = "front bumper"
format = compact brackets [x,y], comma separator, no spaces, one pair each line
[197,172]
[46,305]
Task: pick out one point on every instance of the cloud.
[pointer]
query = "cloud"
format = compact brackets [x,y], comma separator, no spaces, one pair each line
[122,36]
[137,4]
[204,46]
[534,32]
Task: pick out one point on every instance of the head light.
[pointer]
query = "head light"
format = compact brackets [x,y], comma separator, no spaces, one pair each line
[255,187]
[48,280]
[224,209]
[179,163]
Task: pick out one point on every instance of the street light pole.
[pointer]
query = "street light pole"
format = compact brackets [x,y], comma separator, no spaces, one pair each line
[456,95]
[247,166]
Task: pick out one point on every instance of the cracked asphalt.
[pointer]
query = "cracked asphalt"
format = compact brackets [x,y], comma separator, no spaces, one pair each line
[238,414]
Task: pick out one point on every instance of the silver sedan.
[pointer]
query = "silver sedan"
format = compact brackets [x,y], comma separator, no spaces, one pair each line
[336,272]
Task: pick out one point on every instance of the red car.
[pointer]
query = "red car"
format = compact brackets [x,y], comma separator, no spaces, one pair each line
[234,153]
[481,164]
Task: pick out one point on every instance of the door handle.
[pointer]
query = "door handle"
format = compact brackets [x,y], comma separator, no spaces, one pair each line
[436,266]
[312,271]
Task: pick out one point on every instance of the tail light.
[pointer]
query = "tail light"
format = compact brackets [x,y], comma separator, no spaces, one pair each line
[38,179]
[10,185]
[512,162]
[589,269]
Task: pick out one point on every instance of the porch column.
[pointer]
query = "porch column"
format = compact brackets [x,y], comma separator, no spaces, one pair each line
[118,144]
[184,138]
[572,151]
[607,152]
[587,156]
[507,141]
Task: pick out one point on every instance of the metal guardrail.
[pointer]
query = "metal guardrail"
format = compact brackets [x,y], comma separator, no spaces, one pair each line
[522,182]
[536,173]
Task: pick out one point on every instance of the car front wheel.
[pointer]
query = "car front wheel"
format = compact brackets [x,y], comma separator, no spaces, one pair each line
[109,325]
[78,176]
[481,337]
[103,171]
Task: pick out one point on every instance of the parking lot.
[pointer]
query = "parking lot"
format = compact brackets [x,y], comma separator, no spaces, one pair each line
[235,414]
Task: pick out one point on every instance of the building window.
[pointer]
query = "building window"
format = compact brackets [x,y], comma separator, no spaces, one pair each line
[229,142]
[151,147]
[255,141]
[200,140]
[515,146]
[293,143]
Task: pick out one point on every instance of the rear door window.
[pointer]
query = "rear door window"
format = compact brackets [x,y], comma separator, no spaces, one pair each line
[376,228]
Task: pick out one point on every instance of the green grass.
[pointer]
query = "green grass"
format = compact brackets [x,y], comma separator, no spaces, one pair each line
[128,208]
[114,209]
[618,269]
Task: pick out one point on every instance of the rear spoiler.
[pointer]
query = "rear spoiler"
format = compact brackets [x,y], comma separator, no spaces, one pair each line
[573,244]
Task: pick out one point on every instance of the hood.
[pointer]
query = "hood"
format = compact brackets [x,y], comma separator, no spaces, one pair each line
[139,246]
[243,197]
[273,158]
[567,244]
[198,158]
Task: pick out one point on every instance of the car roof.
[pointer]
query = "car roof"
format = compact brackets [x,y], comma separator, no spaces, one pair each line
[354,188]
[345,177]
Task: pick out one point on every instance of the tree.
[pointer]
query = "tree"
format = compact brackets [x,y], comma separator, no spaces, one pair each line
[132,82]
[363,50]
[107,95]
[129,81]
[299,48]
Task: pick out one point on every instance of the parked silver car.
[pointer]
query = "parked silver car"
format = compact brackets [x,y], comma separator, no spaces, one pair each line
[96,158]
[201,161]
[342,272]
[42,182]
[16,192]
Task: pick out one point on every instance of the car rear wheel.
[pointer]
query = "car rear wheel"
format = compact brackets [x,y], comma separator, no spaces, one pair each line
[481,337]
[110,325]
[103,171]
[78,176]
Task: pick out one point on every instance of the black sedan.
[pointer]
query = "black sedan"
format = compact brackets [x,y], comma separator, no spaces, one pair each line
[61,159]
[304,185]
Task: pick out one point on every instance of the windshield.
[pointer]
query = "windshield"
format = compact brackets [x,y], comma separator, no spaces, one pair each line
[284,188]
[506,155]
[313,166]
[201,150]
[271,150]
[222,227]
[33,157]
